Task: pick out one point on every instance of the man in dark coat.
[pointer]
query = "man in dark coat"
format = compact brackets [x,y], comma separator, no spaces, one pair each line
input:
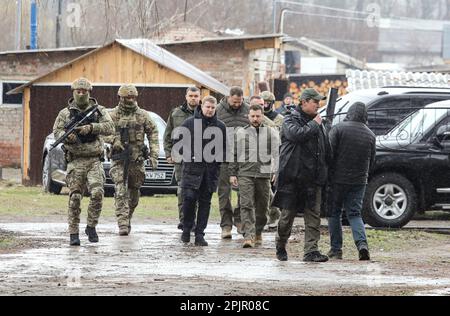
[201,167]
[304,155]
[354,148]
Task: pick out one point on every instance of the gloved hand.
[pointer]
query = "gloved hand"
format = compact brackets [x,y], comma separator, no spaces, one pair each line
[72,139]
[117,146]
[84,130]
[154,163]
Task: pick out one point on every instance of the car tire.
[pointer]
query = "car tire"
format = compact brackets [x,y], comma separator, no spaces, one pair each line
[47,183]
[390,201]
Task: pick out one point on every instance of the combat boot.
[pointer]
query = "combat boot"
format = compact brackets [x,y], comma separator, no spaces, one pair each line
[226,233]
[75,240]
[364,254]
[258,239]
[335,254]
[315,256]
[282,253]
[124,231]
[186,237]
[200,241]
[248,244]
[92,234]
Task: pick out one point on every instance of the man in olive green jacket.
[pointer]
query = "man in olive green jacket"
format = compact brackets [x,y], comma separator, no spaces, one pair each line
[253,170]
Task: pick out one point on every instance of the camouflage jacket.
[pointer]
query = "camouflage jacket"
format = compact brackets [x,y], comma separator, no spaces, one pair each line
[141,125]
[176,119]
[102,127]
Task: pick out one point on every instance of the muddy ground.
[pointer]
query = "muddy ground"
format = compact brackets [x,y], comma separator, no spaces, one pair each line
[154,262]
[35,258]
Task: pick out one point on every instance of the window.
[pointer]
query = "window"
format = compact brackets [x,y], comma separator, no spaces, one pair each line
[5,87]
[385,114]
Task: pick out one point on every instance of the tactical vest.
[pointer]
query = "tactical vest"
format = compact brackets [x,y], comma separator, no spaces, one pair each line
[90,138]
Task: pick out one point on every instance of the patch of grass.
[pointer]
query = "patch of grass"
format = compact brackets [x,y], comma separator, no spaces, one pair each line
[18,201]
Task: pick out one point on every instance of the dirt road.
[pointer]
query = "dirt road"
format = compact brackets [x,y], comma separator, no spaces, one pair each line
[154,262]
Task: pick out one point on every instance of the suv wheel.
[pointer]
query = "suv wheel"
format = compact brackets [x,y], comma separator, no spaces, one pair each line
[390,201]
[47,183]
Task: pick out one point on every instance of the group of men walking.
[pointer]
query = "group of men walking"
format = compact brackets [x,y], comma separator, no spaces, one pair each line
[280,165]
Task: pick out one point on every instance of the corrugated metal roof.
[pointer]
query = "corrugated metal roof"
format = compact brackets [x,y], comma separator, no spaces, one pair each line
[161,56]
[221,38]
[165,58]
[326,50]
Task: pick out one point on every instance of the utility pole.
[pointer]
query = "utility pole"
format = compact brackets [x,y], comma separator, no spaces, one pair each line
[18,24]
[274,16]
[58,24]
[33,25]
[185,11]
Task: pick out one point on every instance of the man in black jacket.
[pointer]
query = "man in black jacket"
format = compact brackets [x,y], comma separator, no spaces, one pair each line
[303,173]
[201,167]
[354,149]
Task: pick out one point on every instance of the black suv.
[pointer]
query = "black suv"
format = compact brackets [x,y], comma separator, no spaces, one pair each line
[388,106]
[412,169]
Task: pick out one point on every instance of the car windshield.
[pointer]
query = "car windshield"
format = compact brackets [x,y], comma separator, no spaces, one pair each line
[419,123]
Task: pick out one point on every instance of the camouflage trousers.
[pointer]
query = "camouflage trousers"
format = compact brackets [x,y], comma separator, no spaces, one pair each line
[126,201]
[85,175]
[254,198]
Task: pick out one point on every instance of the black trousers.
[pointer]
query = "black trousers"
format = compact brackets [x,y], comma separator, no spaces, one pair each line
[191,197]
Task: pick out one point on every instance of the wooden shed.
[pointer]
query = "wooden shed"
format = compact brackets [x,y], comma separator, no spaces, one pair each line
[161,78]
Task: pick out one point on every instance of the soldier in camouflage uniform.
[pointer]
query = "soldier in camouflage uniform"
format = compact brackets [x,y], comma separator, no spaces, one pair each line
[84,152]
[128,115]
[176,118]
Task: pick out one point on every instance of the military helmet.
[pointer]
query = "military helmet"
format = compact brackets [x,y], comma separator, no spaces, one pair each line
[268,96]
[82,83]
[128,90]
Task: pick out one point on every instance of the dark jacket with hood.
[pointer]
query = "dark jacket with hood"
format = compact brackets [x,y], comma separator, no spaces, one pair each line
[304,156]
[195,171]
[354,148]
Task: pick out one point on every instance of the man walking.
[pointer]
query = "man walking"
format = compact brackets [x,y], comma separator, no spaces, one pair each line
[303,174]
[84,152]
[256,154]
[354,148]
[234,113]
[200,171]
[176,118]
[137,123]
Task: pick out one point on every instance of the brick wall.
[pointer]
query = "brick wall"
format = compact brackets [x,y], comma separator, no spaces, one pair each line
[225,61]
[10,136]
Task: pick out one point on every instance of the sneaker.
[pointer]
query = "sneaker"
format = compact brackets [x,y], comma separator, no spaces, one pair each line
[248,244]
[315,256]
[75,240]
[124,231]
[282,253]
[226,233]
[186,237]
[92,234]
[335,254]
[200,241]
[258,239]
[364,254]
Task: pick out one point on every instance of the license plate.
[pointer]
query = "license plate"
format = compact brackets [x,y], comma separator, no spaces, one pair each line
[155,175]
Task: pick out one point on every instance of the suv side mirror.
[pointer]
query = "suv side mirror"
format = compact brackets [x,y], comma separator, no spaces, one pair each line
[443,133]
